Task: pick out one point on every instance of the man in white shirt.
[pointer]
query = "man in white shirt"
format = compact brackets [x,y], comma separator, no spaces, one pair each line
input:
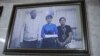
[29,37]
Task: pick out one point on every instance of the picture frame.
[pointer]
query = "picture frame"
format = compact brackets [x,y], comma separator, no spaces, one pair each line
[1,9]
[29,51]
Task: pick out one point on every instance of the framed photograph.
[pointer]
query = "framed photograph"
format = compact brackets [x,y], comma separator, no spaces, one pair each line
[48,28]
[1,9]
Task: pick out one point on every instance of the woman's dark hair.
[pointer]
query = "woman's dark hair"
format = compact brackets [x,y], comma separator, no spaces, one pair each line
[62,18]
[49,17]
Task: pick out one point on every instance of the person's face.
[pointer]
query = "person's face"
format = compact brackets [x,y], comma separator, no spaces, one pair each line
[33,15]
[62,21]
[49,20]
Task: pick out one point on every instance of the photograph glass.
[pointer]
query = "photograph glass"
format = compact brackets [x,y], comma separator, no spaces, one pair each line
[52,27]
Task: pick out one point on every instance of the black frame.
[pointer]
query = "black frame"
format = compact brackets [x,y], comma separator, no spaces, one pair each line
[1,9]
[85,52]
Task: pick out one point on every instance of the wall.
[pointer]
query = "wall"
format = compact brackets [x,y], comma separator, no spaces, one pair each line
[93,16]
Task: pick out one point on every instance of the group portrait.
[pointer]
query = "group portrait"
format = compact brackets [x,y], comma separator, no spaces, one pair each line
[53,27]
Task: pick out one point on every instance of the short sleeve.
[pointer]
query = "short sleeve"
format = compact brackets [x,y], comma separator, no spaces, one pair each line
[69,29]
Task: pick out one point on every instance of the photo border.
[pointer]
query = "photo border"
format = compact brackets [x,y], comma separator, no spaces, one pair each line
[1,10]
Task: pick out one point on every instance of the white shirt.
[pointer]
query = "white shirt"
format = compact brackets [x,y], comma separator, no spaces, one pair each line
[30,30]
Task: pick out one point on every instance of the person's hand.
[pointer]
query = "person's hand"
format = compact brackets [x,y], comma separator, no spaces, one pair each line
[69,40]
[62,44]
